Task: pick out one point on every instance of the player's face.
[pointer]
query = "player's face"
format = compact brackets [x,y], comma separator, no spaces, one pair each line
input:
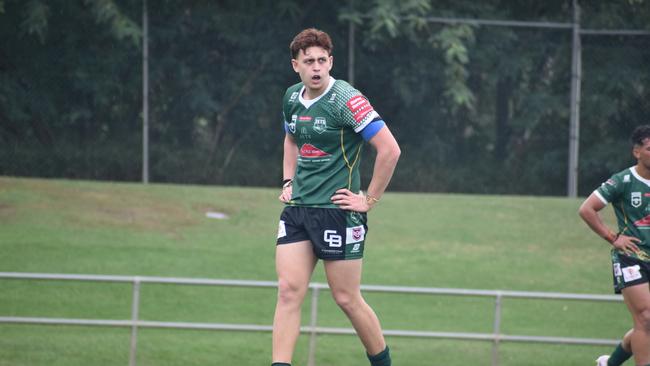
[313,65]
[642,153]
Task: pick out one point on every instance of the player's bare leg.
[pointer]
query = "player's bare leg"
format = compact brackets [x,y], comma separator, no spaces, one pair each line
[344,278]
[294,264]
[637,299]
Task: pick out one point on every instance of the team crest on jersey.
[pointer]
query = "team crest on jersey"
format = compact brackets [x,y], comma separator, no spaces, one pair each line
[332,98]
[292,125]
[293,97]
[320,124]
[636,199]
[626,178]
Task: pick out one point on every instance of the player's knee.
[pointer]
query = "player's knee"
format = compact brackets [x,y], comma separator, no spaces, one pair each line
[289,293]
[642,318]
[347,301]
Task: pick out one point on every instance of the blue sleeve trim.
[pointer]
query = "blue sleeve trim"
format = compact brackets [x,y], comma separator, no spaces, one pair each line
[371,129]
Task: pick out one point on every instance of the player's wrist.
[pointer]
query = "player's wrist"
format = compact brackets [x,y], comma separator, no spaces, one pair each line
[370,200]
[612,237]
[286,183]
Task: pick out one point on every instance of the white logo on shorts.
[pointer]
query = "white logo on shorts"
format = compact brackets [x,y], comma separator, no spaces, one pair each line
[617,269]
[631,273]
[355,234]
[282,231]
[332,238]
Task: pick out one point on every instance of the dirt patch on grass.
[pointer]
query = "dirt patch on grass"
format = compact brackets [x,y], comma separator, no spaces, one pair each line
[7,210]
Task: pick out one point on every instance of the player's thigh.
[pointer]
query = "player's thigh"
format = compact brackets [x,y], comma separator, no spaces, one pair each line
[344,275]
[294,264]
[637,298]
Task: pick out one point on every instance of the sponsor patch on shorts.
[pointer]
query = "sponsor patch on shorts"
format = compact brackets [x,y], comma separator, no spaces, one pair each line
[355,234]
[282,231]
[631,273]
[617,269]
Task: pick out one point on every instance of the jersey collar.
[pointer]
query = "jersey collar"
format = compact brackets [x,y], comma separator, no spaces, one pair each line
[310,102]
[637,176]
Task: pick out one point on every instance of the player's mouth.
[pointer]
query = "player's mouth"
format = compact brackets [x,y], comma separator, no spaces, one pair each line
[315,78]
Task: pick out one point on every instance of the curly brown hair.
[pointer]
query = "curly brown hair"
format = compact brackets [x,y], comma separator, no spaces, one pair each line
[310,37]
[640,133]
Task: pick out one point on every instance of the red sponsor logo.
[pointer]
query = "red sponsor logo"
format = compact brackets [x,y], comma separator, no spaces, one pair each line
[304,118]
[360,107]
[356,233]
[643,222]
[311,151]
[646,195]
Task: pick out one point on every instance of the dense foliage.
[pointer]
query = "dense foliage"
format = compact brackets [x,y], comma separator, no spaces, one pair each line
[475,108]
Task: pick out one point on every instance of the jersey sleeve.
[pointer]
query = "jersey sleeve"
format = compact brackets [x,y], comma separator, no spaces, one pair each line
[357,112]
[610,190]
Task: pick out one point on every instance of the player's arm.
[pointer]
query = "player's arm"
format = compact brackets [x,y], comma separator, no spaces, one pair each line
[289,162]
[388,153]
[589,213]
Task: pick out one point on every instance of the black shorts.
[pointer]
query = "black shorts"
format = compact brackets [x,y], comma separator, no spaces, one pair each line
[628,271]
[335,234]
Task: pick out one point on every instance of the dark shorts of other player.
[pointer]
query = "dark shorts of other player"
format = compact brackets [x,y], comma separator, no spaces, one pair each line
[335,234]
[628,271]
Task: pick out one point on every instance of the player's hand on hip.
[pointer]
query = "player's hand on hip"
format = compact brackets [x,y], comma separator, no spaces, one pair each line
[347,200]
[285,196]
[627,244]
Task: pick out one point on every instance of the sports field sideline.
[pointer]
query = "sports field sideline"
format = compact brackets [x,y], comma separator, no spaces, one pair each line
[430,240]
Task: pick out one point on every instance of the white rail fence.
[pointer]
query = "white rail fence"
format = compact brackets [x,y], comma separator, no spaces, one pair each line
[312,329]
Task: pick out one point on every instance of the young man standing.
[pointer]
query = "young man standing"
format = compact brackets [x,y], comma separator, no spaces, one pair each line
[326,124]
[629,193]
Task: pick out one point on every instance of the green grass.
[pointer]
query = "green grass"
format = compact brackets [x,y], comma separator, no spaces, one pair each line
[433,240]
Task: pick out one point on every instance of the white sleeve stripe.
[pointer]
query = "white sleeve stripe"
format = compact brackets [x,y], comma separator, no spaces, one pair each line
[367,119]
[600,196]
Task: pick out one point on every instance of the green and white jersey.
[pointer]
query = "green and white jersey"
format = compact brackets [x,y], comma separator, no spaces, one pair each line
[629,194]
[327,133]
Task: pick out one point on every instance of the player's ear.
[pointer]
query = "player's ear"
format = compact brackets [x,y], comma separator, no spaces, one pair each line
[331,62]
[294,64]
[636,151]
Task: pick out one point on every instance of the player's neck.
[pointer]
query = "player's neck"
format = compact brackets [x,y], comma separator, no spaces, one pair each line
[310,94]
[643,171]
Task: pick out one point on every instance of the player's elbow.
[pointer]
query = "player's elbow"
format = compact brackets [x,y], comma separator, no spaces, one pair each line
[393,153]
[585,211]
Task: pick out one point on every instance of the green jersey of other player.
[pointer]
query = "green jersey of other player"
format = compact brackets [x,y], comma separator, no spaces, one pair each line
[327,133]
[629,194]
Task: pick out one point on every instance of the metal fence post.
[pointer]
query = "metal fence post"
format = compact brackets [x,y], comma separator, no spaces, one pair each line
[135,310]
[311,361]
[497,329]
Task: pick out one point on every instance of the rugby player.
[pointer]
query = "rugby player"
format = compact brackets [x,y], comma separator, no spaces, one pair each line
[629,193]
[326,123]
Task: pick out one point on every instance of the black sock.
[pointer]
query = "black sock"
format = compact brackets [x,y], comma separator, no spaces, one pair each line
[380,359]
[280,364]
[618,356]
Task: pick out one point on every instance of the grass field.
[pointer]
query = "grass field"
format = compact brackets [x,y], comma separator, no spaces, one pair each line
[433,240]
